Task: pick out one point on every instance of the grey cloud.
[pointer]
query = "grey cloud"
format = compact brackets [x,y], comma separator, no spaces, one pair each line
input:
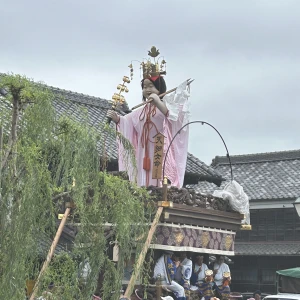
[244,55]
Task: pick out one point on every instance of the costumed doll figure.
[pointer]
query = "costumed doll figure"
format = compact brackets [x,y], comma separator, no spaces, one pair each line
[160,116]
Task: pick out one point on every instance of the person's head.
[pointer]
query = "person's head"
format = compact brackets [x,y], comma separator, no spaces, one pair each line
[183,255]
[199,259]
[220,259]
[168,253]
[257,295]
[209,274]
[153,85]
[175,257]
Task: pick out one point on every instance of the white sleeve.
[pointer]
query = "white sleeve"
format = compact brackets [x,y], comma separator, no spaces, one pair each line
[177,103]
[187,270]
[227,268]
[159,267]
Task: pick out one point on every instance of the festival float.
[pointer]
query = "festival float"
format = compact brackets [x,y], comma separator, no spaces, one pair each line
[184,220]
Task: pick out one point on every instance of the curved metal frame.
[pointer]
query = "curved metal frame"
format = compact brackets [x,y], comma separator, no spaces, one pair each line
[202,122]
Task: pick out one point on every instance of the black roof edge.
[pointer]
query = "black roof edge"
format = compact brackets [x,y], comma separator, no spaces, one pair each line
[194,178]
[257,157]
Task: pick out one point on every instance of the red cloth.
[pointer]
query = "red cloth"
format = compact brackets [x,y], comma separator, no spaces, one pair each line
[154,78]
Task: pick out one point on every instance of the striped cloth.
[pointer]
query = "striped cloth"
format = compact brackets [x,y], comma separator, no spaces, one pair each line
[205,290]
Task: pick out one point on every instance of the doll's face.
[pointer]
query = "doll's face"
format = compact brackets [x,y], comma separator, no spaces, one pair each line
[149,88]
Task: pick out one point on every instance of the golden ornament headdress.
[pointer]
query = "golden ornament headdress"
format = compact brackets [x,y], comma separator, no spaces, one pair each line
[151,69]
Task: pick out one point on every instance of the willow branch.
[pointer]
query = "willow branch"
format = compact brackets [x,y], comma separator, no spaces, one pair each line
[51,251]
[1,148]
[13,132]
[143,253]
[60,195]
[66,193]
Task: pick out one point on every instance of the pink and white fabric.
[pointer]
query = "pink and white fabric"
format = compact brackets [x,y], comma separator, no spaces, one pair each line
[132,127]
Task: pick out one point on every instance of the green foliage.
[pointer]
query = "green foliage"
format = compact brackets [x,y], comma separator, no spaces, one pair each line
[128,154]
[49,155]
[60,278]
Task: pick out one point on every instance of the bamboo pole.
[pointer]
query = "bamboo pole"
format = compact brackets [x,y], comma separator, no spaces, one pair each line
[142,255]
[51,251]
[165,188]
[189,81]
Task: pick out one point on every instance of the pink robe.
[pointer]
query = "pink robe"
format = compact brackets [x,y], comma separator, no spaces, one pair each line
[131,127]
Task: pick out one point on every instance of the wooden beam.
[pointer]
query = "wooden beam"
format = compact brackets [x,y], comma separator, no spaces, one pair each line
[142,255]
[51,251]
[195,216]
[169,218]
[211,212]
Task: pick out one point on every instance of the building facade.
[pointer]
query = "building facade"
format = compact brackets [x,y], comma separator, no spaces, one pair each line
[272,182]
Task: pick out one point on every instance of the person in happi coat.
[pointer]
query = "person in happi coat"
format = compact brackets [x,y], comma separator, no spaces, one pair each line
[184,272]
[199,269]
[222,277]
[198,279]
[164,271]
[161,116]
[186,266]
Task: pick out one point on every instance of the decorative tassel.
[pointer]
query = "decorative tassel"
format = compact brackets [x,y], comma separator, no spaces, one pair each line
[146,163]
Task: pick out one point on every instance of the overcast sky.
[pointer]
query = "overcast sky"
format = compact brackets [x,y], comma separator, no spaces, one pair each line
[243,55]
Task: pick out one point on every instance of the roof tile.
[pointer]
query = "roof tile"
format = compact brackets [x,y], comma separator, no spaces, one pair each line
[273,175]
[267,248]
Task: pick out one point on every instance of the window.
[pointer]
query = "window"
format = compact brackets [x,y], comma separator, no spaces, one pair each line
[272,225]
[268,276]
[245,275]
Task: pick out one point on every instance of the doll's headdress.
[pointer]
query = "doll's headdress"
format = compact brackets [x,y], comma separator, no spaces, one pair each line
[151,67]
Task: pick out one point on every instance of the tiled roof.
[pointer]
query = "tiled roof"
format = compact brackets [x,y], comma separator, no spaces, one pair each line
[267,248]
[263,176]
[80,106]
[75,104]
[257,157]
[195,165]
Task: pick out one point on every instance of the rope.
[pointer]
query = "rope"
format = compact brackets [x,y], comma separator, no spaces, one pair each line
[148,111]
